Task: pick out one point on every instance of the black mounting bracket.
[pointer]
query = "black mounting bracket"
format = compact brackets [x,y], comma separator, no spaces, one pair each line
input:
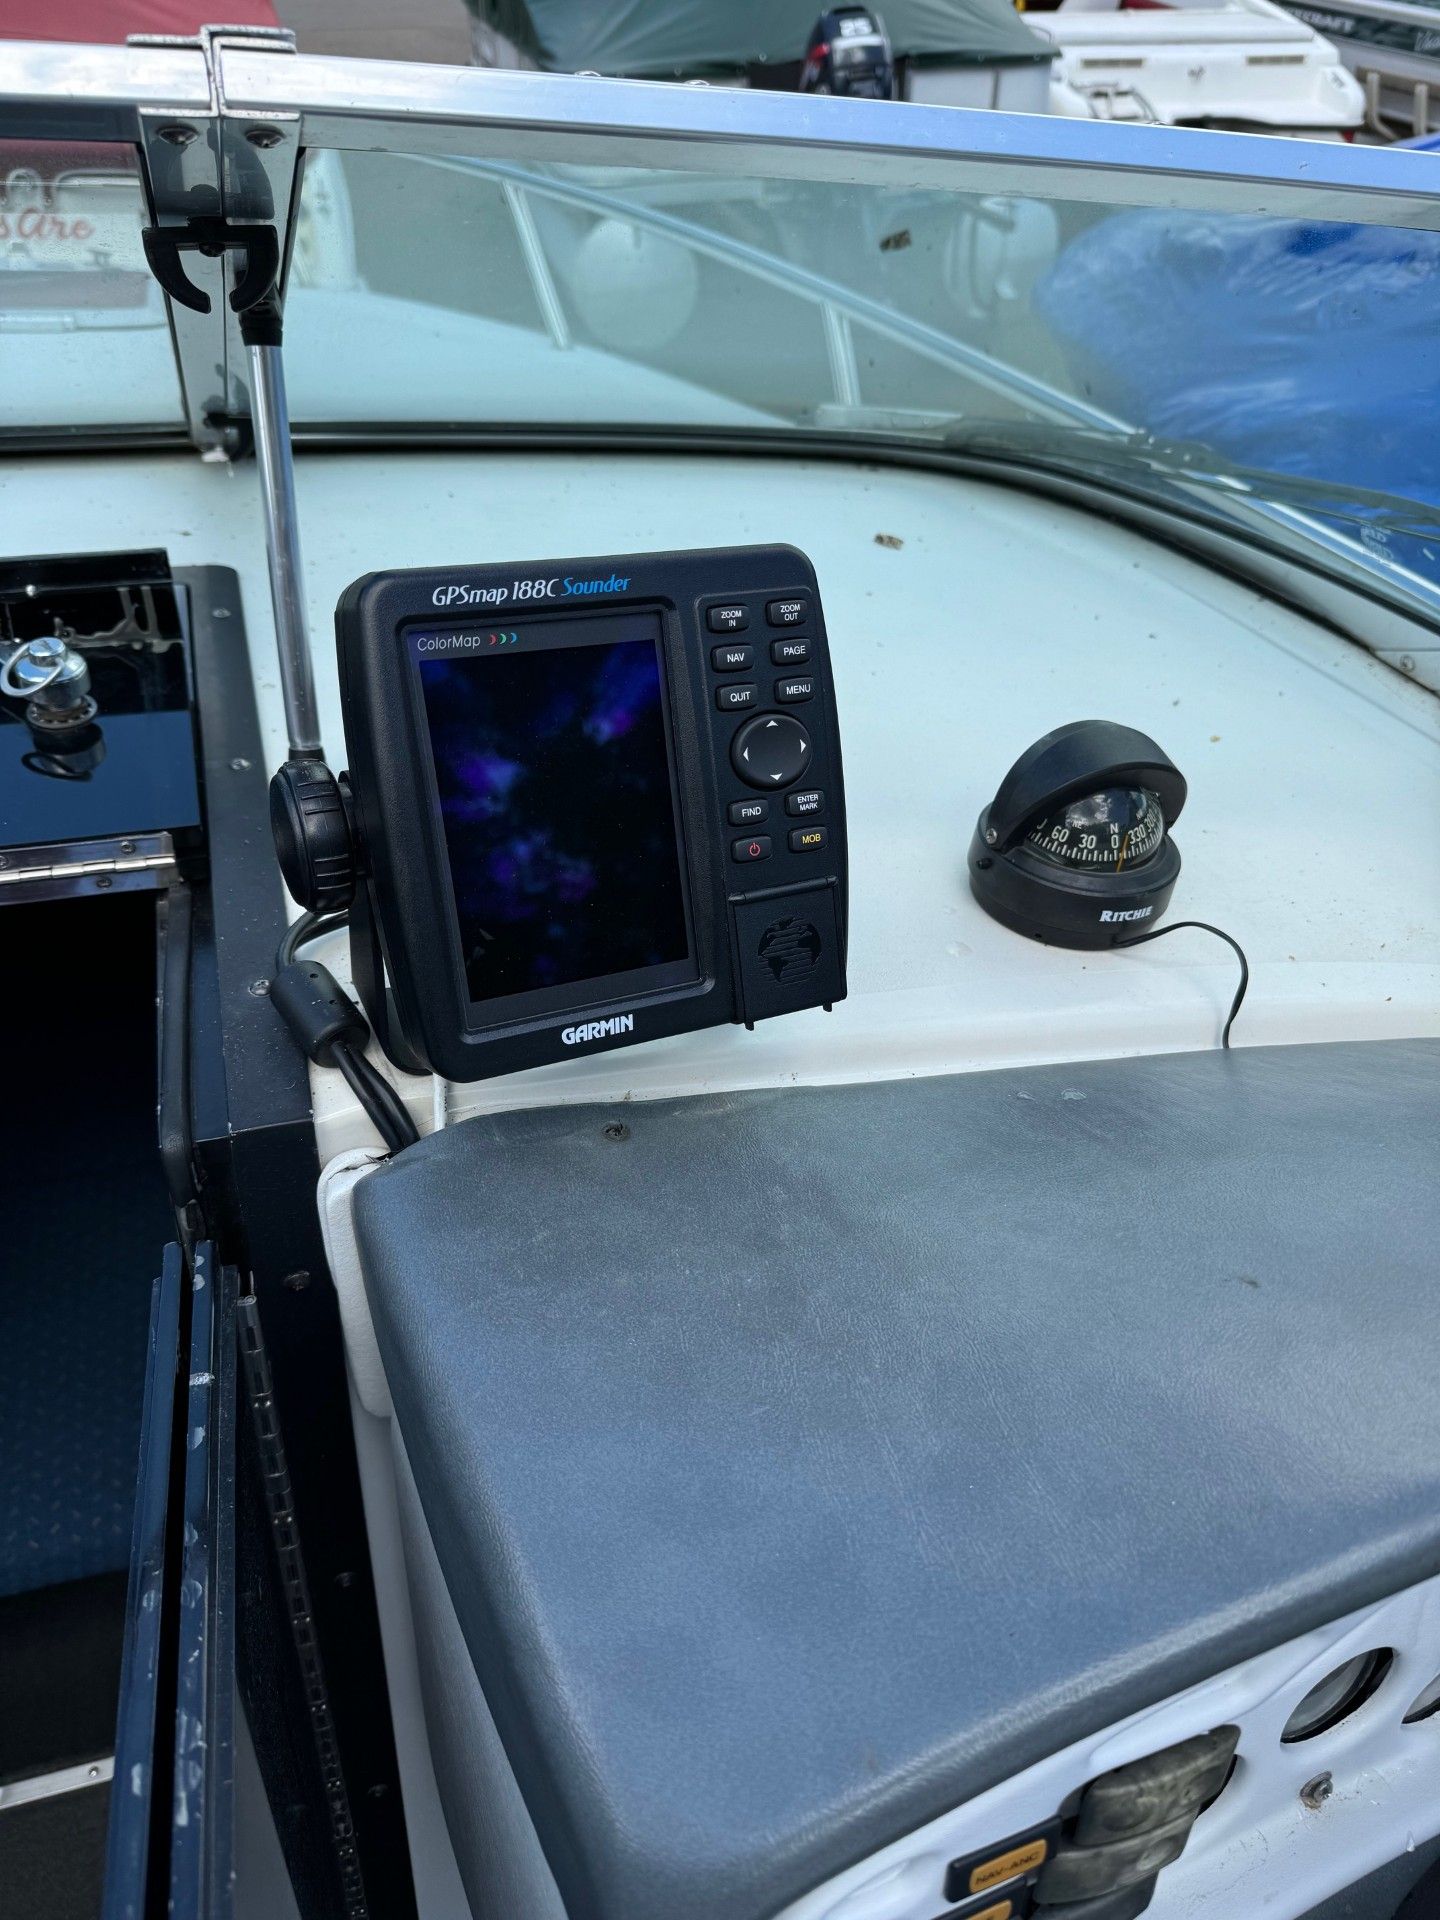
[211,236]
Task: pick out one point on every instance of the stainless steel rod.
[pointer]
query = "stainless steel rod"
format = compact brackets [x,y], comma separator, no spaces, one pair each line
[271,419]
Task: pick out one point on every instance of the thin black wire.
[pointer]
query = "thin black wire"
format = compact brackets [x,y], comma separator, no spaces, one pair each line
[309,926]
[386,1098]
[1139,939]
[352,1066]
[377,1096]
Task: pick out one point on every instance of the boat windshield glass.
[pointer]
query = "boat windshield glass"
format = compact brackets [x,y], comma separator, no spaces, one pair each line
[1253,357]
[84,340]
[1229,330]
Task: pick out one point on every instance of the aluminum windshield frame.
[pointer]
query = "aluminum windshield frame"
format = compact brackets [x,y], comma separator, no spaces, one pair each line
[528,117]
[64,91]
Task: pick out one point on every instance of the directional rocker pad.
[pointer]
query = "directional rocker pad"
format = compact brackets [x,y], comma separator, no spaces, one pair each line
[770,751]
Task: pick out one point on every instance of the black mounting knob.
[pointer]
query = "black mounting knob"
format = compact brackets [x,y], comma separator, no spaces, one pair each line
[313,841]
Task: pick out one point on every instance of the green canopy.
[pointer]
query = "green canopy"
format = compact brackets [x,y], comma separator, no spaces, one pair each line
[696,39]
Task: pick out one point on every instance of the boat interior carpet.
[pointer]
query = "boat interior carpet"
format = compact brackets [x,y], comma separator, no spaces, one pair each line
[59,1675]
[86,1219]
[52,1855]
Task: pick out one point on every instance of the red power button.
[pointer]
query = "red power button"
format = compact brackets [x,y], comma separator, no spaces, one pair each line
[744,851]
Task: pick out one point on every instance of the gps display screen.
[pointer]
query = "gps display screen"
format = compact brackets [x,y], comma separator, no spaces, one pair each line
[553,768]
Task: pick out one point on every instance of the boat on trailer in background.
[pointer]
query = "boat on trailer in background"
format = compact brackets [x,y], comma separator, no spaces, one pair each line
[1393,49]
[1242,64]
[1248,65]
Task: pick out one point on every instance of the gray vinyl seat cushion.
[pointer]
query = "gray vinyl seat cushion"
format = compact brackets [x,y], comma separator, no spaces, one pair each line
[807,1461]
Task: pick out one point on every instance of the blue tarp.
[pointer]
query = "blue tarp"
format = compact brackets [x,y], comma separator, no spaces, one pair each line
[1311,348]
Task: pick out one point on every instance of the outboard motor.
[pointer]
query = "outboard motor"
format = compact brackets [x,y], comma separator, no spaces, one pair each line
[849,53]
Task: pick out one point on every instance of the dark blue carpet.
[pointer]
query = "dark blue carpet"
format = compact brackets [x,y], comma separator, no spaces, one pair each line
[84,1220]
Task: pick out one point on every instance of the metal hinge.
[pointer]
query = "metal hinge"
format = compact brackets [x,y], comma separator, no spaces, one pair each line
[285,1531]
[65,868]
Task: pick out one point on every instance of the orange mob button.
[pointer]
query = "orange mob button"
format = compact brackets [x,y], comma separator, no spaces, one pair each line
[1002,1910]
[1008,1866]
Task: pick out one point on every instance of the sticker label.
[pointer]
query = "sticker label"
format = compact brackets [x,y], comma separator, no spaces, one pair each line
[1008,1866]
[1020,1857]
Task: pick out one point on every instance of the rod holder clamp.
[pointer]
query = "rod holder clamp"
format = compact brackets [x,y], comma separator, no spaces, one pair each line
[212,237]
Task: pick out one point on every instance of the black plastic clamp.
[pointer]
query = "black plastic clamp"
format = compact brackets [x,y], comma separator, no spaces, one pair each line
[211,236]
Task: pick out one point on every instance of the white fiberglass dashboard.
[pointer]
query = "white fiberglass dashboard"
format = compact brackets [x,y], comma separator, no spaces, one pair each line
[965,619]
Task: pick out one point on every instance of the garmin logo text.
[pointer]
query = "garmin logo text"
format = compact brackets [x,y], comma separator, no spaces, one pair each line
[552,589]
[1130,913]
[598,1029]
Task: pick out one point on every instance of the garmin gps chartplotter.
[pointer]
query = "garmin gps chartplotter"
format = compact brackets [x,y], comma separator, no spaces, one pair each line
[593,802]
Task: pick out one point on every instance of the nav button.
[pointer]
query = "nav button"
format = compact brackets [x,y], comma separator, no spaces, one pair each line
[731,659]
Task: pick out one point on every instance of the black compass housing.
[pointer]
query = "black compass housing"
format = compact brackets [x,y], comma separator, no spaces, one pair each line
[1098,903]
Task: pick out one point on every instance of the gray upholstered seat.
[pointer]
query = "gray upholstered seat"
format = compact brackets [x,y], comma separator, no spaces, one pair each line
[809,1460]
